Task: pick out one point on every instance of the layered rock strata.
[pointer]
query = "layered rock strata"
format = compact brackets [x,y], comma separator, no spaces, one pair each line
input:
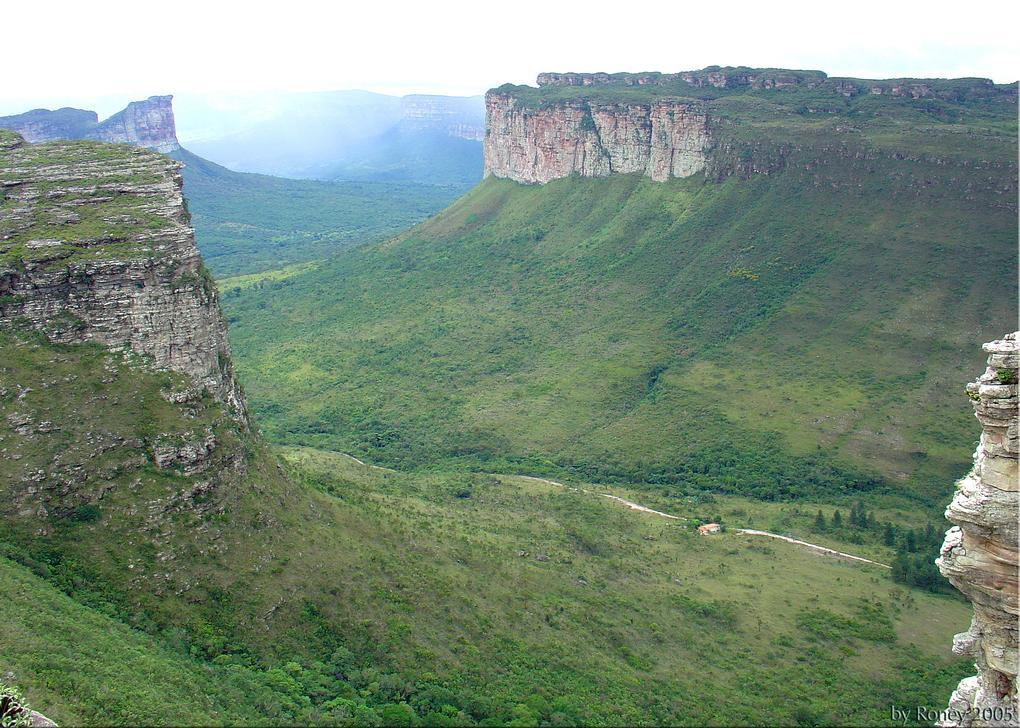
[661,140]
[149,123]
[979,555]
[96,245]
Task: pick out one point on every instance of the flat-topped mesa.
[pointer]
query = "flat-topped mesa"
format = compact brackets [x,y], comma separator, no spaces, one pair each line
[721,122]
[96,245]
[661,139]
[149,123]
[730,77]
[979,555]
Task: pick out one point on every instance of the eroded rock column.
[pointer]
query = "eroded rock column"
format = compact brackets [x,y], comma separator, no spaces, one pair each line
[979,555]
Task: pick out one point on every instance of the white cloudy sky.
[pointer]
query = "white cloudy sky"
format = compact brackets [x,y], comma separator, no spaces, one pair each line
[103,53]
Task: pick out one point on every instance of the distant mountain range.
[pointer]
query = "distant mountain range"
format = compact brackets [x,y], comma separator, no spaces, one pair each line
[148,123]
[337,135]
[354,135]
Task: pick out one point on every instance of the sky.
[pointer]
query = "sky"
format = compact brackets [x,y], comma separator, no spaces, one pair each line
[102,54]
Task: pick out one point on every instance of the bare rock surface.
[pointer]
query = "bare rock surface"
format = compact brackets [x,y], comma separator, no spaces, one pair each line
[979,555]
[661,140]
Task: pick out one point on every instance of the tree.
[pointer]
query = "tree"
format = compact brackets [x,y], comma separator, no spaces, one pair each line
[837,520]
[820,521]
[398,714]
[889,536]
[901,568]
[858,517]
[910,542]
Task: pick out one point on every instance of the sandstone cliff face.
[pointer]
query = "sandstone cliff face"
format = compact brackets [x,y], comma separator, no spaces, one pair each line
[96,245]
[148,124]
[979,555]
[720,121]
[661,139]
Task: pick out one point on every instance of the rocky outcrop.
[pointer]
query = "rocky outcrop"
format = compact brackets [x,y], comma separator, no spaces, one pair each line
[148,124]
[758,79]
[979,555]
[96,245]
[531,144]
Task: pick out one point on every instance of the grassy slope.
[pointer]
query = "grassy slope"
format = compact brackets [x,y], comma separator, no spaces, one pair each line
[81,666]
[247,223]
[496,596]
[690,332]
[630,620]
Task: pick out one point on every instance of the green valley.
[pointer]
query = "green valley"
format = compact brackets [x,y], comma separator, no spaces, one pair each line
[666,439]
[248,223]
[337,593]
[764,336]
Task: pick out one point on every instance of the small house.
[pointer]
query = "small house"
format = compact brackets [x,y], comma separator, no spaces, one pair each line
[707,528]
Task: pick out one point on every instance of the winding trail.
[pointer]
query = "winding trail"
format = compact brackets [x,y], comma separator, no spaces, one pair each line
[746,531]
[812,546]
[645,509]
[367,465]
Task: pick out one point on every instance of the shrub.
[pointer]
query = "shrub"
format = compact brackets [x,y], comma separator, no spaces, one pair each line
[14,710]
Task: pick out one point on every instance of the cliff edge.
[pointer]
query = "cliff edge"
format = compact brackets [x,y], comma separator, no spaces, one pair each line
[661,139]
[96,245]
[979,555]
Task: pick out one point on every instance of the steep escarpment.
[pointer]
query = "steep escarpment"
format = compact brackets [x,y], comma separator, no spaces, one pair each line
[43,125]
[129,472]
[661,140]
[148,123]
[979,555]
[720,121]
[96,245]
